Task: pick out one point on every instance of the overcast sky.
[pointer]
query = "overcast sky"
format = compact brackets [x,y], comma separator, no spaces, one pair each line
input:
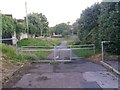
[56,11]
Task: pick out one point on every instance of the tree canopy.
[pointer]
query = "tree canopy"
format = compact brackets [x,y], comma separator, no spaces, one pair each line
[38,24]
[8,26]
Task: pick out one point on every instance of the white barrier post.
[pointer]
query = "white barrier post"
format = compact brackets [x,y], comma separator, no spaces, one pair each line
[70,53]
[54,54]
[94,48]
[102,51]
[102,46]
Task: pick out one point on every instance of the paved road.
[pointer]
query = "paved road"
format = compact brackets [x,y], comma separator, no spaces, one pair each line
[78,74]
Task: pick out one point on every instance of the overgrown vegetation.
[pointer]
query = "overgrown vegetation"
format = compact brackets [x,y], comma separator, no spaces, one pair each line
[100,22]
[9,54]
[9,51]
[38,25]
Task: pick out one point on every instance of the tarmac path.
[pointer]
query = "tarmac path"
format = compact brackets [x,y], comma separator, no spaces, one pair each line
[77,74]
[61,52]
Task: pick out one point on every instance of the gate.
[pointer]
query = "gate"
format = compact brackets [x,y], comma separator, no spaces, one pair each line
[54,53]
[81,51]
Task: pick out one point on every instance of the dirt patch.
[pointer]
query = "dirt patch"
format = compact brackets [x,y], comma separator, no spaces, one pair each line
[97,58]
[18,74]
[8,67]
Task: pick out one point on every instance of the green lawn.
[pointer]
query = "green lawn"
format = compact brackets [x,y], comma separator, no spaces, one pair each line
[39,42]
[83,53]
[75,43]
[70,41]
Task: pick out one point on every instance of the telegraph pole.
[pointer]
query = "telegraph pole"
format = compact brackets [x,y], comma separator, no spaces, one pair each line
[0,27]
[27,27]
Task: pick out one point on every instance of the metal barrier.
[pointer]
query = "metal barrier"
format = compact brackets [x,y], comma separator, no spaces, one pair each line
[82,47]
[57,53]
[109,61]
[52,49]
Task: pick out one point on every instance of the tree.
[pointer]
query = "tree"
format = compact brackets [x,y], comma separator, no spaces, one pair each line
[38,24]
[100,22]
[109,26]
[62,28]
[20,27]
[75,27]
[88,23]
[8,28]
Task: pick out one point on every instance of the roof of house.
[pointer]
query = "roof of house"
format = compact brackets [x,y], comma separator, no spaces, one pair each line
[9,15]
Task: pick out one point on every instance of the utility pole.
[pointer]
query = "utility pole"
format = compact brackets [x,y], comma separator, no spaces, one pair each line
[27,27]
[71,28]
[0,24]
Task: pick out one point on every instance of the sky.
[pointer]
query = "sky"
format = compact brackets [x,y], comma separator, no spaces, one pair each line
[56,11]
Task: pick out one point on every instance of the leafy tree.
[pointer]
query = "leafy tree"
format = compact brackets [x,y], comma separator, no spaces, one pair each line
[8,28]
[75,27]
[62,28]
[20,27]
[100,22]
[38,24]
[88,22]
[109,26]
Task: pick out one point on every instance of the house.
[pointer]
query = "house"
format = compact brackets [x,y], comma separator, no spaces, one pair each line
[9,15]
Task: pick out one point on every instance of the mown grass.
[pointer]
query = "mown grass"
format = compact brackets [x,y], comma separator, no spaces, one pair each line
[83,53]
[39,42]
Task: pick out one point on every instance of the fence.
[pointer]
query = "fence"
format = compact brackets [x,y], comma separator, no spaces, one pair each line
[56,53]
[50,53]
